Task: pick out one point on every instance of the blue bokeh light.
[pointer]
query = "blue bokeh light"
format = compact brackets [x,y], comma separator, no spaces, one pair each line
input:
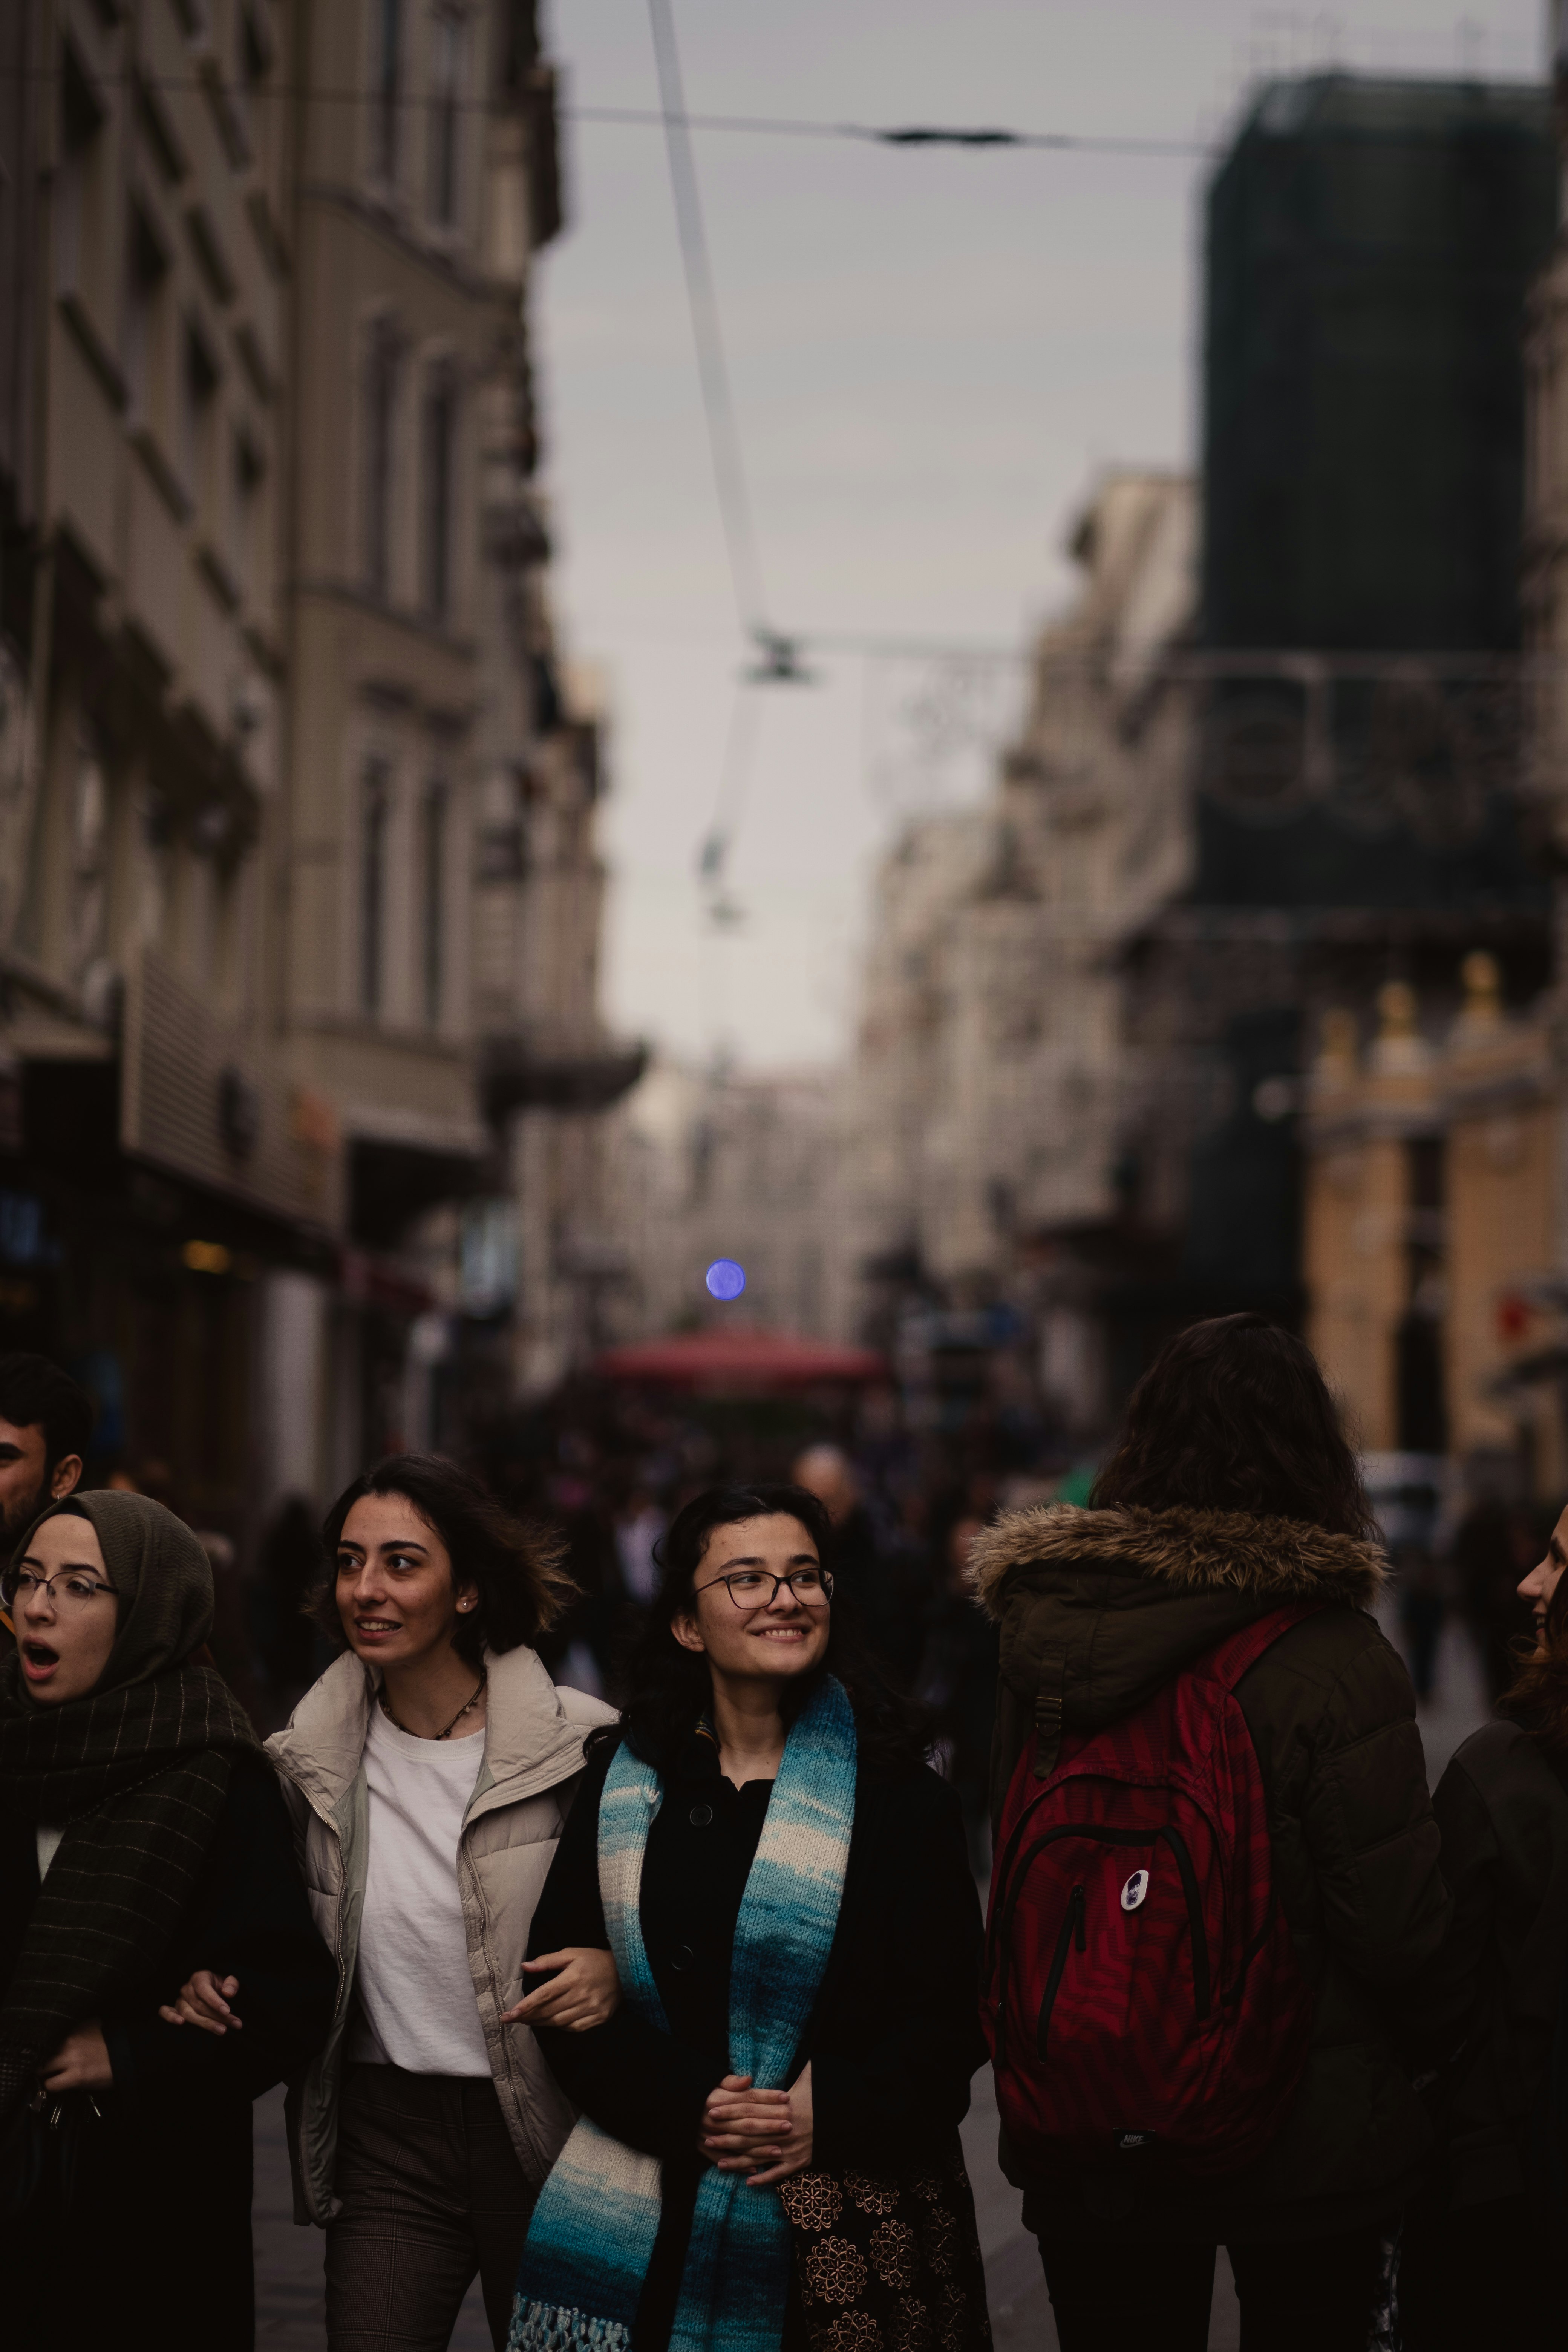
[725,1278]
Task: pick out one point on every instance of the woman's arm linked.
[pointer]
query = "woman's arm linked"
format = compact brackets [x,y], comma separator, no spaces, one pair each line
[252,1922]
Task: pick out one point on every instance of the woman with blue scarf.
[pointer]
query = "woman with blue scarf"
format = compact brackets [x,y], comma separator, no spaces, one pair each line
[767,2155]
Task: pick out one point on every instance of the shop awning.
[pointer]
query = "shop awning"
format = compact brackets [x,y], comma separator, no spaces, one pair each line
[517,1073]
[741,1357]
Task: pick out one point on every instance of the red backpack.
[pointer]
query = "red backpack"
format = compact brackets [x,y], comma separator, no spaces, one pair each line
[1141,1989]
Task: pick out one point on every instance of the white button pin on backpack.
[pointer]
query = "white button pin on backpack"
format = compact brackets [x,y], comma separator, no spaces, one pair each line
[1134,1891]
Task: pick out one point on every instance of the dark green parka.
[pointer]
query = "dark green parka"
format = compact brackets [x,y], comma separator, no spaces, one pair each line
[1097,1611]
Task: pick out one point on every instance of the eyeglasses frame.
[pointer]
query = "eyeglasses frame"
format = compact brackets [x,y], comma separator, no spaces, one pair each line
[47,1583]
[728,1581]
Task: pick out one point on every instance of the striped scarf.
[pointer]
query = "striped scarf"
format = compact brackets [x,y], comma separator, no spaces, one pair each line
[593,2230]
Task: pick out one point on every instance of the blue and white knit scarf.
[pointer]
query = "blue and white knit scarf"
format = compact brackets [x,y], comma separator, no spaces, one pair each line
[592,2236]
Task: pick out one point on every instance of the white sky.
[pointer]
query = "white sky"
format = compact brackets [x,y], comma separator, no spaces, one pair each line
[933,353]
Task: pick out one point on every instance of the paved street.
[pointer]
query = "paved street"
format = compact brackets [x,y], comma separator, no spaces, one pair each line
[288,2261]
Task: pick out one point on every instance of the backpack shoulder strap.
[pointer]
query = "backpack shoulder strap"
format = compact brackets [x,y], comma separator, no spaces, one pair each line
[1229,1662]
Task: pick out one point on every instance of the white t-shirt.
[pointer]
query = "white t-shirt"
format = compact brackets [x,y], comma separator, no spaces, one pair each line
[416,1989]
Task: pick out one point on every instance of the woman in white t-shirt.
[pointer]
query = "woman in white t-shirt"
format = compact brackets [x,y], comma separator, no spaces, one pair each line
[429,1773]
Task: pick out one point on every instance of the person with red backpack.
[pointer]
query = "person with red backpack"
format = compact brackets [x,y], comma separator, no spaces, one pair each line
[1215,1866]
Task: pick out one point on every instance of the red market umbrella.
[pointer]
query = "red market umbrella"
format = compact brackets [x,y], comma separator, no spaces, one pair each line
[740,1358]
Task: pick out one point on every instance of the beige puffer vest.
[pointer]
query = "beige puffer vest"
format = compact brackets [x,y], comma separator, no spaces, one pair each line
[533,1757]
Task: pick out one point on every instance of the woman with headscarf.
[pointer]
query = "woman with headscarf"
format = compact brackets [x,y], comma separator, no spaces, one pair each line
[142,1836]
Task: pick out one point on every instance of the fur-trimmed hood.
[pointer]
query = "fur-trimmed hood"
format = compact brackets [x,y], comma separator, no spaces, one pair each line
[1278,1560]
[1105,1606]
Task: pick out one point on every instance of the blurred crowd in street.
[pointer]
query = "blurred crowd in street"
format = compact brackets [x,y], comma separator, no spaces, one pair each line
[609,1469]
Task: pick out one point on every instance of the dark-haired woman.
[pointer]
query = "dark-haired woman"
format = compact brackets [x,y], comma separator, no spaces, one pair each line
[1483,2252]
[1231,1496]
[769,2145]
[142,1835]
[429,1772]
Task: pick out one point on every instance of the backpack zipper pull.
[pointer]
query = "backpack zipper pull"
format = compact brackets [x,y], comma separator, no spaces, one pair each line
[1070,1933]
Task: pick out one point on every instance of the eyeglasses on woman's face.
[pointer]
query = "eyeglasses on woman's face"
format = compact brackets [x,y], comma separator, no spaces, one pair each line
[68,1587]
[755,1588]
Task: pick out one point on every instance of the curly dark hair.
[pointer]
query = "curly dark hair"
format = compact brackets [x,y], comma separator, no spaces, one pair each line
[523,1587]
[667,1686]
[1234,1414]
[1538,1698]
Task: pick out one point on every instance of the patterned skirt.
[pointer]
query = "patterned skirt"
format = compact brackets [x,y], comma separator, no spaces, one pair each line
[887,2263]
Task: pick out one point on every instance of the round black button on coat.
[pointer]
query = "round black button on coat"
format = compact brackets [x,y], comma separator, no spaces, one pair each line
[700,1816]
[682,1958]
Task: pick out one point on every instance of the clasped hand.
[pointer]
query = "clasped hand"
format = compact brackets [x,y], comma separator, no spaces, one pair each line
[743,2128]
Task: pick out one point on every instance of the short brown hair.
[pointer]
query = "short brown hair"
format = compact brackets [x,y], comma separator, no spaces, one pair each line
[523,1587]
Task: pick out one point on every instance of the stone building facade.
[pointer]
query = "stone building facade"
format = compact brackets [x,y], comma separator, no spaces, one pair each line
[1276,759]
[1431,1228]
[443,889]
[993,1085]
[299,896]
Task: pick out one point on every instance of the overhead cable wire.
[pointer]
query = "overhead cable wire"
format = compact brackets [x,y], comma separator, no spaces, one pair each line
[778,659]
[763,126]
[772,126]
[734,779]
[723,437]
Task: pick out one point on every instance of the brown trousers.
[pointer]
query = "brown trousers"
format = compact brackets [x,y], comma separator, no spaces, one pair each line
[432,2191]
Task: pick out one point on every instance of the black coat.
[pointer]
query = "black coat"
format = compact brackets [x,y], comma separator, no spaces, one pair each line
[893,2040]
[150,2213]
[1485,2009]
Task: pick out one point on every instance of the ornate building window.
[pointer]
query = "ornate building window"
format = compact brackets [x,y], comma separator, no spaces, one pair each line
[146,272]
[247,471]
[78,175]
[433,901]
[90,864]
[387,118]
[198,397]
[444,150]
[382,371]
[438,454]
[375,818]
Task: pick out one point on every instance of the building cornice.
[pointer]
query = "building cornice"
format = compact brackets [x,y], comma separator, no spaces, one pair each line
[352,205]
[397,617]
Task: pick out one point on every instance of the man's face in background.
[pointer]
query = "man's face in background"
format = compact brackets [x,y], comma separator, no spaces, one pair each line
[27,1484]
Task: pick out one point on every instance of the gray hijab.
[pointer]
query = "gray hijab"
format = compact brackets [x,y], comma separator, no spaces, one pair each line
[163,1576]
